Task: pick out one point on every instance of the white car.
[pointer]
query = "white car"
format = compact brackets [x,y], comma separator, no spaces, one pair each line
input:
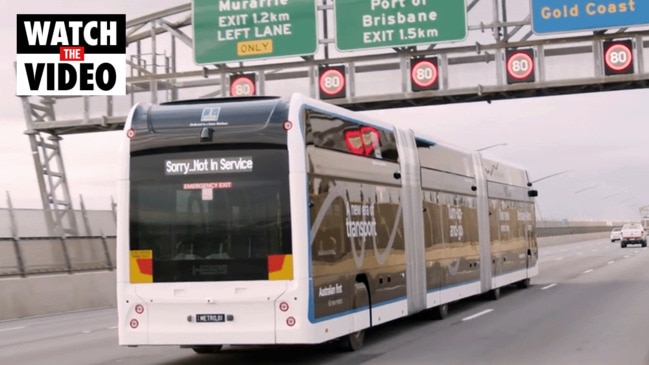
[616,234]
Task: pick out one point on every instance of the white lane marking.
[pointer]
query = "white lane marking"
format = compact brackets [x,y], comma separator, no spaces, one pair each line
[588,271]
[559,258]
[636,251]
[477,315]
[579,253]
[11,329]
[626,256]
[595,249]
[549,286]
[86,331]
[610,262]
[112,328]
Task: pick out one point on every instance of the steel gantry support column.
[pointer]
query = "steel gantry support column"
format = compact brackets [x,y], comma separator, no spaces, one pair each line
[50,171]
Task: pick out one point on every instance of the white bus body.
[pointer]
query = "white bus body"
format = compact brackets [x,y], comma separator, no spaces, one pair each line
[227,237]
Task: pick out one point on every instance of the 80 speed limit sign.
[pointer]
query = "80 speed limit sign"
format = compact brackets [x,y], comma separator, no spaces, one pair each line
[424,74]
[520,65]
[243,85]
[618,57]
[331,82]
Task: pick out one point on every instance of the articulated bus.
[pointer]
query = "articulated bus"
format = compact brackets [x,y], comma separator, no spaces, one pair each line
[263,220]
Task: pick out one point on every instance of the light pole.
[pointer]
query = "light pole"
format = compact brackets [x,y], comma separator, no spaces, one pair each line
[581,215]
[549,176]
[619,209]
[623,211]
[491,146]
[588,188]
[636,203]
[612,195]
[529,184]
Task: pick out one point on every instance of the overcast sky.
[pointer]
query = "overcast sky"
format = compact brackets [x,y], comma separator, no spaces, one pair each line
[602,137]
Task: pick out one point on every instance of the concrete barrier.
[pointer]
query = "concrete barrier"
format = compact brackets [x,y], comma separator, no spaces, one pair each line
[559,240]
[50,294]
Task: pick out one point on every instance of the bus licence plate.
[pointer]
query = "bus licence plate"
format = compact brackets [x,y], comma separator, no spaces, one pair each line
[202,318]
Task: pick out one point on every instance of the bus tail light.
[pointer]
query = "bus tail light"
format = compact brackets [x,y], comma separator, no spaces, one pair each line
[287,125]
[290,321]
[139,309]
[280,267]
[283,306]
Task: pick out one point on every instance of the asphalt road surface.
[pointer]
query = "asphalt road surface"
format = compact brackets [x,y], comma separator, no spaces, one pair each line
[589,305]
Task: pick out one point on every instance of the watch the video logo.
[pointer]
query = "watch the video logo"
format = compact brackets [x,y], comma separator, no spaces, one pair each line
[71,54]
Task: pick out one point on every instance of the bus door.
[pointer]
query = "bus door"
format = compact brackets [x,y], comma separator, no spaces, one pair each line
[532,246]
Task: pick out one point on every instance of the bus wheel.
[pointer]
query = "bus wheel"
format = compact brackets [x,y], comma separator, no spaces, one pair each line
[353,341]
[494,294]
[439,312]
[525,283]
[442,311]
[213,349]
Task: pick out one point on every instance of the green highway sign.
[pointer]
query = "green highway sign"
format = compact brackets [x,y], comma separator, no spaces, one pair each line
[241,30]
[364,24]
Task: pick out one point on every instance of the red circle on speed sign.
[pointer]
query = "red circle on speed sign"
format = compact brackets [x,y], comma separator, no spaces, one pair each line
[424,73]
[242,86]
[520,65]
[332,81]
[618,57]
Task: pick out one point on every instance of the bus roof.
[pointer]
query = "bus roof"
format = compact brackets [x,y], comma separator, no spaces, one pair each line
[219,120]
[218,113]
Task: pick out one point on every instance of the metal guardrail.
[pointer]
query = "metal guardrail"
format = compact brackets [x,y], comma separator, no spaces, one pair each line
[568,230]
[24,256]
[30,245]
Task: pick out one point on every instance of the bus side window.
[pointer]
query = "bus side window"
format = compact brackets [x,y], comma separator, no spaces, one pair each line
[349,136]
[388,147]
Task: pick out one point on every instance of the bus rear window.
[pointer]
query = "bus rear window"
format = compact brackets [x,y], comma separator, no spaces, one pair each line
[210,216]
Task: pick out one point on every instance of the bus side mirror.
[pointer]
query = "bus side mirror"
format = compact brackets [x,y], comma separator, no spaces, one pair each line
[532,193]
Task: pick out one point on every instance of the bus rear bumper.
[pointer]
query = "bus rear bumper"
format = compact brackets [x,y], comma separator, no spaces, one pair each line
[261,318]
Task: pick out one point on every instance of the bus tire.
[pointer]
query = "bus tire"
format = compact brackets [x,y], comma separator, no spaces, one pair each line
[438,313]
[524,284]
[353,341]
[494,294]
[211,349]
